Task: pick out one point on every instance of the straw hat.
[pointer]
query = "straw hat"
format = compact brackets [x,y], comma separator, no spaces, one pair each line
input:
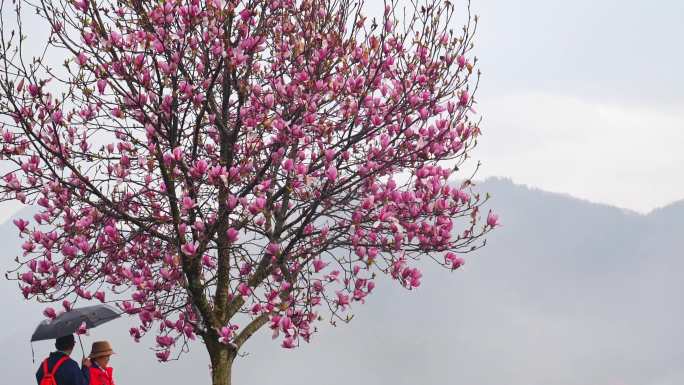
[101,349]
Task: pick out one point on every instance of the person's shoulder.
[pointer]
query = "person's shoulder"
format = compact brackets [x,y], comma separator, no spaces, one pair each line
[70,363]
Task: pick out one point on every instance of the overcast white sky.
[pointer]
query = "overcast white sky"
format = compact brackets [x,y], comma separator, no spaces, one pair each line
[583,97]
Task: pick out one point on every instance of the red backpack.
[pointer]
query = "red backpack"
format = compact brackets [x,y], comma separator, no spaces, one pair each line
[49,376]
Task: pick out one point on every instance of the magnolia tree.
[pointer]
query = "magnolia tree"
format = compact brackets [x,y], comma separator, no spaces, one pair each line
[216,167]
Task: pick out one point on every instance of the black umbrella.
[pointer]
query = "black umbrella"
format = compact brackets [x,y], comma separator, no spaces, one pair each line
[68,322]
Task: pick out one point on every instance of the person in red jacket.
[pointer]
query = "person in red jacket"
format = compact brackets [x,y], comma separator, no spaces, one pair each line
[100,371]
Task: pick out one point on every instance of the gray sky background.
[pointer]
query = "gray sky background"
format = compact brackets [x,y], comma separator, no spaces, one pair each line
[585,97]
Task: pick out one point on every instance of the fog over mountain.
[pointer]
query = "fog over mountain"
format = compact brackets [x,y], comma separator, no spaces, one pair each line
[566,292]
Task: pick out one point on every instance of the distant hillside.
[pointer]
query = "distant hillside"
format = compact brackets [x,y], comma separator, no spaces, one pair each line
[566,292]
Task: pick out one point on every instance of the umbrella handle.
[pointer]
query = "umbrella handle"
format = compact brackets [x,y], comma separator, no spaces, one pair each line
[81,343]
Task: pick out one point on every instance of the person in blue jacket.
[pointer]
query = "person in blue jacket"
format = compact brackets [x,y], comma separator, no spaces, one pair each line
[68,372]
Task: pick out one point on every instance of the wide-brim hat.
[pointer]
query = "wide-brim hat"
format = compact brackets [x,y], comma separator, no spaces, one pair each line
[101,349]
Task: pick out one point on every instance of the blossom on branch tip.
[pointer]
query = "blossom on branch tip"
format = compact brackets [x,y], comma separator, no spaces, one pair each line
[101,86]
[492,219]
[165,341]
[453,260]
[49,312]
[288,343]
[163,355]
[21,224]
[342,300]
[82,329]
[319,265]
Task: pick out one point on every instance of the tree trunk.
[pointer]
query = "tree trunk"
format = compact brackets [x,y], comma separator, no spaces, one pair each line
[221,363]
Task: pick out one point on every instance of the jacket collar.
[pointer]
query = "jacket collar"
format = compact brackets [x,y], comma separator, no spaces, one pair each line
[58,353]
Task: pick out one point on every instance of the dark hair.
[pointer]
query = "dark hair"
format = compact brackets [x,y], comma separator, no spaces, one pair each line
[65,343]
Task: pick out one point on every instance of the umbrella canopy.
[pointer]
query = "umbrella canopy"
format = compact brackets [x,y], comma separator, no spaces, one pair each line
[68,322]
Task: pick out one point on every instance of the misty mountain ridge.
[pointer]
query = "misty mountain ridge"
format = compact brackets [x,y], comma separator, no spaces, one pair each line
[501,182]
[566,292]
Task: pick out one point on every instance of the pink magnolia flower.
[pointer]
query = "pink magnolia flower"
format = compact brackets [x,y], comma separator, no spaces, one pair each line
[227,333]
[245,14]
[34,90]
[342,300]
[269,100]
[319,265]
[208,261]
[492,219]
[257,206]
[28,246]
[200,168]
[454,260]
[57,117]
[135,333]
[272,248]
[188,203]
[178,154]
[412,277]
[158,46]
[101,86]
[463,98]
[27,277]
[50,312]
[356,270]
[116,39]
[232,235]
[189,248]
[82,329]
[245,268]
[244,289]
[163,355]
[288,165]
[461,60]
[331,173]
[288,343]
[100,295]
[81,5]
[81,59]
[372,252]
[165,341]
[21,224]
[287,326]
